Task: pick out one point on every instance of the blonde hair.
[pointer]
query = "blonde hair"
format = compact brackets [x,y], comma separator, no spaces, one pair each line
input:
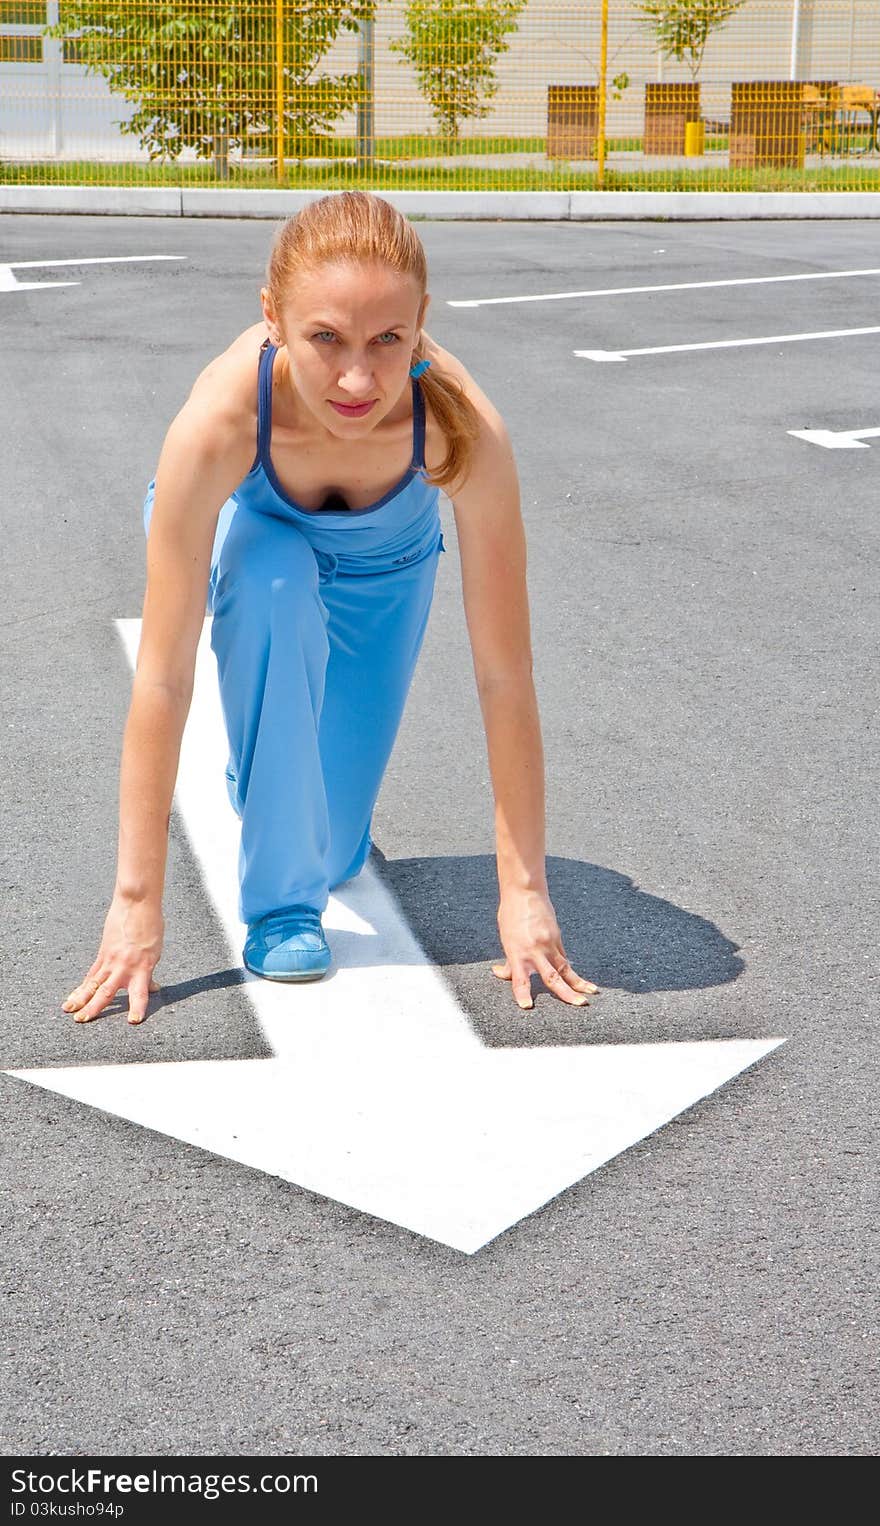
[357,225]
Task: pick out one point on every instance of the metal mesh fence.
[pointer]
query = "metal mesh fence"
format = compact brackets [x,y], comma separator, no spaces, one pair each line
[442,94]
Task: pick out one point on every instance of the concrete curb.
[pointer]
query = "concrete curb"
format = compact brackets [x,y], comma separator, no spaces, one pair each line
[711,205]
[99,200]
[502,206]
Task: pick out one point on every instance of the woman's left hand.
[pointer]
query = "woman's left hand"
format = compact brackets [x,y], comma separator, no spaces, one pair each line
[532,941]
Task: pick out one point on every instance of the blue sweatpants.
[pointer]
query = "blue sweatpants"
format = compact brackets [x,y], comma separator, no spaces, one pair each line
[316,650]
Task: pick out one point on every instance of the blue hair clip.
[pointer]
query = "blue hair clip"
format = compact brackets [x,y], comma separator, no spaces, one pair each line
[420,369]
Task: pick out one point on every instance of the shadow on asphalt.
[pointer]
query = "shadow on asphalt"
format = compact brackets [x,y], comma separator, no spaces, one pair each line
[628,939]
[637,947]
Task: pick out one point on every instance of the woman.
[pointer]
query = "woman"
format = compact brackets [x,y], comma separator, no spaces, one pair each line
[297,490]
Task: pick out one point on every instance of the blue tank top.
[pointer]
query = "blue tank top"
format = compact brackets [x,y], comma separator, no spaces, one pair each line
[398,523]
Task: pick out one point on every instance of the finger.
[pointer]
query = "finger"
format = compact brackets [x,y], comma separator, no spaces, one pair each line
[139,997]
[573,979]
[555,980]
[84,991]
[502,971]
[522,989]
[87,988]
[101,999]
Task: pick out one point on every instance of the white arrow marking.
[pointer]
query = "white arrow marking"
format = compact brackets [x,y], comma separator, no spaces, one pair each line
[627,291]
[379,1094]
[9,282]
[721,344]
[837,439]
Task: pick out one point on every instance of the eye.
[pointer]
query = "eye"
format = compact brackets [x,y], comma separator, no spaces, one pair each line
[389,335]
[323,333]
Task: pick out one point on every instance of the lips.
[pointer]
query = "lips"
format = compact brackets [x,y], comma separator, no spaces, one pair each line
[355,412]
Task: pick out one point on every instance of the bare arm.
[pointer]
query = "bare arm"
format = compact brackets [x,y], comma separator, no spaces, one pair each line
[204,457]
[195,475]
[492,545]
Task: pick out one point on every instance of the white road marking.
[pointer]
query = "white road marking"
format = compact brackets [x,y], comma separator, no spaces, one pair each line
[379,1093]
[9,281]
[837,439]
[627,291]
[721,344]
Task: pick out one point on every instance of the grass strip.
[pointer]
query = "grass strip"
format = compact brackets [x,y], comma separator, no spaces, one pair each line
[338,174]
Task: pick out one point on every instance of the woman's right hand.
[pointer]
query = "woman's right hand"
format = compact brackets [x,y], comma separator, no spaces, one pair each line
[130,950]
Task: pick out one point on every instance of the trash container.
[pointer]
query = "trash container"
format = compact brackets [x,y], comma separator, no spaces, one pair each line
[668,110]
[766,124]
[572,121]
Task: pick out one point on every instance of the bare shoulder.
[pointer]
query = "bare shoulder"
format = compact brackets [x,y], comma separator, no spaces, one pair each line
[219,417]
[210,445]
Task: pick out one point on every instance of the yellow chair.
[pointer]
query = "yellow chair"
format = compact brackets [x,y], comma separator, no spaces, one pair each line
[817,117]
[847,104]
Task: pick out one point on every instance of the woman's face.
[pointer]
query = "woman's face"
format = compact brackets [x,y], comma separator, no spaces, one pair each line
[350,331]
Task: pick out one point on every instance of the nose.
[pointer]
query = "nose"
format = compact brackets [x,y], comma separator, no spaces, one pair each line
[357,380]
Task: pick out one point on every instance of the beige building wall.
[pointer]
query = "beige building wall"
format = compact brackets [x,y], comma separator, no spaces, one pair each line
[557,42]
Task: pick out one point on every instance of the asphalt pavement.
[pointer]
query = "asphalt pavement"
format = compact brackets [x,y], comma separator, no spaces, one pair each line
[703,589]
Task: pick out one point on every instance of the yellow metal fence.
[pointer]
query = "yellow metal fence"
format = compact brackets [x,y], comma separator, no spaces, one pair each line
[442,94]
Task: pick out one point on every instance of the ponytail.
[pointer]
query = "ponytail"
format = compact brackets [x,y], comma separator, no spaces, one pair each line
[458,419]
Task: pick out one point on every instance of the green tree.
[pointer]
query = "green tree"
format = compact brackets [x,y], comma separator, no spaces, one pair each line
[203,75]
[452,46]
[682,27]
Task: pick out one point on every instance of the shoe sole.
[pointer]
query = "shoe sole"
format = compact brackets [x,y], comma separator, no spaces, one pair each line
[291,979]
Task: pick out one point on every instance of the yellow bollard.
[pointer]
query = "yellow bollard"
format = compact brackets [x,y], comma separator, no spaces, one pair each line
[694,138]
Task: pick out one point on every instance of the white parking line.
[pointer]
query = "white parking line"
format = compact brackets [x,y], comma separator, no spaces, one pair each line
[10,282]
[625,291]
[721,344]
[97,259]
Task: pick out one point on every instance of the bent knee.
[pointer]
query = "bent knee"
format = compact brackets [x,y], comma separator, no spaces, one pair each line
[268,556]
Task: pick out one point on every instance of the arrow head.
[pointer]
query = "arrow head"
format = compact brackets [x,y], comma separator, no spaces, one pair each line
[9,282]
[524,1124]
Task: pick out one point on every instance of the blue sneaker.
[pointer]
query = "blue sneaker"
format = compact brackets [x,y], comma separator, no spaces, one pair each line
[287,945]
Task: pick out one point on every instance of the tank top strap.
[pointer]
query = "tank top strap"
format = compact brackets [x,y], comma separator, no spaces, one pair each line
[418,424]
[264,402]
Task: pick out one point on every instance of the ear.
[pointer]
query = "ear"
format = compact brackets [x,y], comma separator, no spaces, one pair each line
[271,317]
